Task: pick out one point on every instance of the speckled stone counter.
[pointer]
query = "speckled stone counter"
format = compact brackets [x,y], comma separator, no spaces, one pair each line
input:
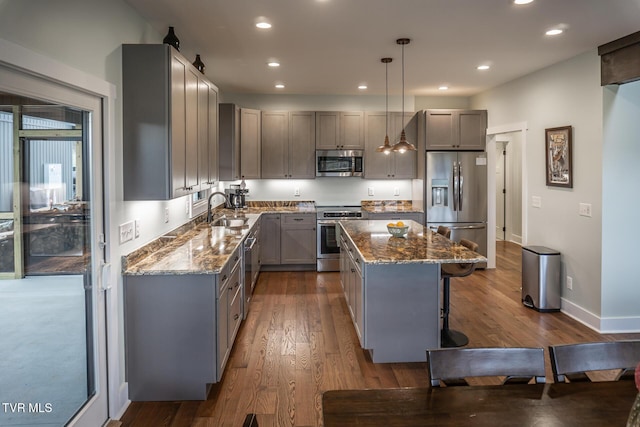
[421,245]
[391,206]
[198,248]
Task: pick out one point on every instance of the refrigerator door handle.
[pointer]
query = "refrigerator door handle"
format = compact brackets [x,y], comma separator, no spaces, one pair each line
[460,186]
[467,227]
[454,173]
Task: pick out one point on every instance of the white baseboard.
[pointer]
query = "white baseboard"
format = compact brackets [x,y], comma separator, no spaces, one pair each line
[611,325]
[123,402]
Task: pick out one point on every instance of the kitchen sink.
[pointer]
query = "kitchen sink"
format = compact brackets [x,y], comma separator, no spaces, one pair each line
[225,221]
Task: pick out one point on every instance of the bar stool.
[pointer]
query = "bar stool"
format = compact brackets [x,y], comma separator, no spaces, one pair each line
[445,231]
[450,337]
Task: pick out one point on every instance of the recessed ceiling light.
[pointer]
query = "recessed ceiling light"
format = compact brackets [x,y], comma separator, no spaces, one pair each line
[554,32]
[522,1]
[362,87]
[263,23]
[279,86]
[483,67]
[273,64]
[443,88]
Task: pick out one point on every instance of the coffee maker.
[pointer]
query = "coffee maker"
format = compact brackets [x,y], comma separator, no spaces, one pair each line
[236,197]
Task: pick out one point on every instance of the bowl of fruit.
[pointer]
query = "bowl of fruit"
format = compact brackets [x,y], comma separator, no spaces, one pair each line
[397,229]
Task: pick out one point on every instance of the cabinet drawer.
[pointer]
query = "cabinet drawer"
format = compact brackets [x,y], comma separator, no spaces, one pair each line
[224,278]
[298,220]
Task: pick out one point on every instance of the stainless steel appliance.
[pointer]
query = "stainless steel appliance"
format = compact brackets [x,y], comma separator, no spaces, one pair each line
[251,265]
[456,194]
[328,253]
[339,163]
[236,196]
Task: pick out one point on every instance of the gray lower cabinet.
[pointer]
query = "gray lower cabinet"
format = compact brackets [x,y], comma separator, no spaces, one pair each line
[179,331]
[397,216]
[169,122]
[298,239]
[270,239]
[352,282]
[288,239]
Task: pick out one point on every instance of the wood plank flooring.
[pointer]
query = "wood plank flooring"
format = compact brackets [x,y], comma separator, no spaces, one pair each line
[298,341]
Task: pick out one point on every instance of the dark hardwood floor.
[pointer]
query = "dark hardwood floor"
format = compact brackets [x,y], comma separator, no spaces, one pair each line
[298,341]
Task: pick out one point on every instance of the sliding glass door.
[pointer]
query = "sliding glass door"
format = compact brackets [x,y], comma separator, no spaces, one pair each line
[52,312]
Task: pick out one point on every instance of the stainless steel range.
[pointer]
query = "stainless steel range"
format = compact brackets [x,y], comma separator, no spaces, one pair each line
[328,253]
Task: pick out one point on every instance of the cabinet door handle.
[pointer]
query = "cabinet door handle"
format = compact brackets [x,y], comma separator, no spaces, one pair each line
[224,278]
[230,288]
[298,219]
[236,285]
[236,316]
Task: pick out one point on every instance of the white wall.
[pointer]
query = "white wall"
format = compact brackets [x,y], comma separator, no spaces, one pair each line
[620,231]
[567,93]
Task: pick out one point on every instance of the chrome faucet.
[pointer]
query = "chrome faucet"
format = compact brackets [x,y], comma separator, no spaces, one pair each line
[209,215]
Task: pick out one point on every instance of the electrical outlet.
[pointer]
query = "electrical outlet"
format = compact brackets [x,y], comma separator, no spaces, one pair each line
[585,209]
[137,228]
[396,191]
[296,191]
[536,201]
[370,191]
[569,282]
[126,232]
[188,205]
[166,215]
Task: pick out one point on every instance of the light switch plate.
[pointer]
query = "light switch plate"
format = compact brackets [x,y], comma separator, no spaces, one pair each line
[585,209]
[370,191]
[536,201]
[137,228]
[126,232]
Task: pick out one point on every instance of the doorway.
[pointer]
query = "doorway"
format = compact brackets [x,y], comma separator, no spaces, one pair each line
[52,307]
[509,187]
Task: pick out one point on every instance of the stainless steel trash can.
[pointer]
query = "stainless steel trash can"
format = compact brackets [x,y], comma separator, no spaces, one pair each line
[541,278]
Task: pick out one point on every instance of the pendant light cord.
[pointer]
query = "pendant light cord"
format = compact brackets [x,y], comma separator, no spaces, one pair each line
[386,114]
[403,85]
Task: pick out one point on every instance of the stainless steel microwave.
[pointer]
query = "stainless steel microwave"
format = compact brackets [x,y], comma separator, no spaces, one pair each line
[339,163]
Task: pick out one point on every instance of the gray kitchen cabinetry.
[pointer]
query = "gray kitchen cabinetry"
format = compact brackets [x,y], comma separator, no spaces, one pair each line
[240,143]
[339,130]
[288,141]
[352,283]
[298,239]
[180,330]
[169,121]
[397,216]
[393,165]
[455,129]
[288,239]
[270,239]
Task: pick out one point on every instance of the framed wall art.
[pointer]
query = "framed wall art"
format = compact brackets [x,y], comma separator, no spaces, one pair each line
[558,155]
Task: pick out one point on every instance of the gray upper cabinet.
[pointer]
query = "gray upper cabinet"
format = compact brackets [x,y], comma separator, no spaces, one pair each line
[339,130]
[250,143]
[167,119]
[455,129]
[394,165]
[240,135]
[288,144]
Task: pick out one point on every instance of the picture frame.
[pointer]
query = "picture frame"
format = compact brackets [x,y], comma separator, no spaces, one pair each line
[559,162]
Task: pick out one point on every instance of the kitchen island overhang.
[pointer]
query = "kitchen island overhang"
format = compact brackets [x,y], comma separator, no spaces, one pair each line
[392,286]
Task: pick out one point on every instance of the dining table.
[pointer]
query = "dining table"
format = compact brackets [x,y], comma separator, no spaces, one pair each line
[605,403]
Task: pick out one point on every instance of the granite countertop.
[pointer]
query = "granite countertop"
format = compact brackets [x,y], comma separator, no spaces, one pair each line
[391,206]
[197,247]
[421,245]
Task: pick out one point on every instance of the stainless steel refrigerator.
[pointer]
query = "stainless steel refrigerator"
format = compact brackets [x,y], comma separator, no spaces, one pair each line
[456,194]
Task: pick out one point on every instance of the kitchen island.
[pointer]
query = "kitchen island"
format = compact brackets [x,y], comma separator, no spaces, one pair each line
[392,286]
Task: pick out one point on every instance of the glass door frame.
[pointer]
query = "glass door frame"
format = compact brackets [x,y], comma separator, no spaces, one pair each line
[24,83]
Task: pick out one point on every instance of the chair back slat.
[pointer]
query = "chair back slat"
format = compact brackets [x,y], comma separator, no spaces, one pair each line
[482,362]
[570,359]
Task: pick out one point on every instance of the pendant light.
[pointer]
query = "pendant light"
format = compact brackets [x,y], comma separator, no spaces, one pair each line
[386,147]
[403,145]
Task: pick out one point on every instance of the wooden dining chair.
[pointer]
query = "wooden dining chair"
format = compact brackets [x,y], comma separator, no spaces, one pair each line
[517,365]
[571,362]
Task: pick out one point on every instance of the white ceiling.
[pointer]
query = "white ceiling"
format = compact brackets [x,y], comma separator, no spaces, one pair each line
[332,46]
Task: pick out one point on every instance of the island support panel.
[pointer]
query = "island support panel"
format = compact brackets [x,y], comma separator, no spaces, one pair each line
[402,311]
[170,335]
